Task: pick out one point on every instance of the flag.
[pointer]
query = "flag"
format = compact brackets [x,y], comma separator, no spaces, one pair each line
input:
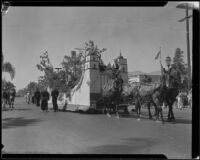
[157,55]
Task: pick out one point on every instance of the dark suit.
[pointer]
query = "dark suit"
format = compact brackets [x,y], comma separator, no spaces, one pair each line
[37,97]
[45,98]
[54,95]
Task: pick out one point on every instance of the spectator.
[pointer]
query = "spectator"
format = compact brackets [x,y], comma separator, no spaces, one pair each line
[45,98]
[189,96]
[37,97]
[179,101]
[33,98]
[28,97]
[5,98]
[54,95]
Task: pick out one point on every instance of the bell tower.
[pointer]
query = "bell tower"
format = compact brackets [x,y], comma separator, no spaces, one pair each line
[123,67]
[92,73]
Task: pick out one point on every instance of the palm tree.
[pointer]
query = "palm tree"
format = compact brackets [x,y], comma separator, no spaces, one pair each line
[8,67]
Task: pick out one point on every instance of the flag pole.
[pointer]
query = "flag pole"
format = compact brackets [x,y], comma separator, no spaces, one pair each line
[161,62]
[160,56]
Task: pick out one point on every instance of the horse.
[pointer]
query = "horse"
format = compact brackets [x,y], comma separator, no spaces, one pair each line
[142,95]
[166,92]
[111,98]
[170,82]
[5,98]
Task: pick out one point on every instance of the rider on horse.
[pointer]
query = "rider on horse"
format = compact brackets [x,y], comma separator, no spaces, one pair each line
[172,73]
[171,78]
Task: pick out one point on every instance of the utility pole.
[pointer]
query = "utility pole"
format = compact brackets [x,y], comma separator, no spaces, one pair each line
[186,7]
[188,48]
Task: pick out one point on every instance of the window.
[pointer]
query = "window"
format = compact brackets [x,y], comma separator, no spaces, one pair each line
[94,66]
[93,58]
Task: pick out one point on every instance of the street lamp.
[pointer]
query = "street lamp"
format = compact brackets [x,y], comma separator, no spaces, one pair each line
[58,69]
[187,6]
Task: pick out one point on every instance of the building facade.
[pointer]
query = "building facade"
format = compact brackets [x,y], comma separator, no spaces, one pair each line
[144,78]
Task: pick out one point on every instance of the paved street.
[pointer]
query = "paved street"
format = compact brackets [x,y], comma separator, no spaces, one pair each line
[29,130]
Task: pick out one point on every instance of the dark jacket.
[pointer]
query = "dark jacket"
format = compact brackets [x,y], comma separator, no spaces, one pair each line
[174,77]
[45,96]
[55,94]
[37,94]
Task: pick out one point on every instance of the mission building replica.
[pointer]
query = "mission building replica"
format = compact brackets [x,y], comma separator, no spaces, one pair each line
[88,90]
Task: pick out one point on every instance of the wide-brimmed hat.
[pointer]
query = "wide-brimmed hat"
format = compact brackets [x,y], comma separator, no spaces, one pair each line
[168,58]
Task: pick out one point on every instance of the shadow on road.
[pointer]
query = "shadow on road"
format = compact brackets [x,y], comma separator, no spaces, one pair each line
[23,109]
[145,117]
[130,146]
[134,116]
[16,109]
[182,121]
[18,122]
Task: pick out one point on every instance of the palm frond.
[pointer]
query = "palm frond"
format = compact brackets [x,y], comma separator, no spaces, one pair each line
[8,67]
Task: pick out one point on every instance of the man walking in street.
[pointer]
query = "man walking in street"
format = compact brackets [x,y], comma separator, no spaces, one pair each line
[45,98]
[54,95]
[37,97]
[33,98]
[28,97]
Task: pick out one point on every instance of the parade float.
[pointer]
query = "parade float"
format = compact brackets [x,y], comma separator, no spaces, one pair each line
[95,75]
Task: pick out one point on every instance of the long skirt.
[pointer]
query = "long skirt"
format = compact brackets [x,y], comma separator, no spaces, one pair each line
[55,105]
[32,100]
[44,105]
[38,101]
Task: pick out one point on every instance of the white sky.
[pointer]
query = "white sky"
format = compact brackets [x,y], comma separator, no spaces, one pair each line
[137,31]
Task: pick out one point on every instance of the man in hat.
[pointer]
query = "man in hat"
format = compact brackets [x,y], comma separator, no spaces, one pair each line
[171,71]
[172,83]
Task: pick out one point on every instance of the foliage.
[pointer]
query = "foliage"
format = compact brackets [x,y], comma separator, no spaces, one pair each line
[21,92]
[31,87]
[8,67]
[180,65]
[51,78]
[72,71]
[73,64]
[178,62]
[7,85]
[72,67]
